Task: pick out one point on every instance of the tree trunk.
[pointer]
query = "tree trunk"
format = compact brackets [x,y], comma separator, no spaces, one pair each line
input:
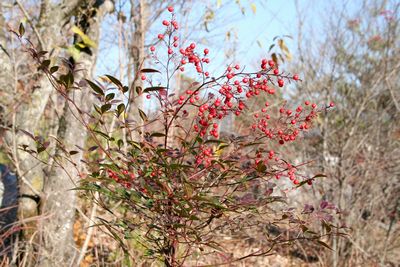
[60,200]
[29,113]
[139,20]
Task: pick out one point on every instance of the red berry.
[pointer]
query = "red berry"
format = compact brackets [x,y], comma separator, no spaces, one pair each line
[296,77]
[192,45]
[314,105]
[148,96]
[206,51]
[281,83]
[276,71]
[307,103]
[271,63]
[331,104]
[143,77]
[160,36]
[152,49]
[171,9]
[165,22]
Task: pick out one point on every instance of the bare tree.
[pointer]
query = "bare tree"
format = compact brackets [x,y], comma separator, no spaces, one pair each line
[27,102]
[355,64]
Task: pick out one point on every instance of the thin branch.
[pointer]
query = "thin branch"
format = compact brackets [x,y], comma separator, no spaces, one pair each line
[28,17]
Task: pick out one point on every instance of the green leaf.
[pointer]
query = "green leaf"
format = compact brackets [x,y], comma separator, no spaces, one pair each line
[21,30]
[149,71]
[74,51]
[92,148]
[319,175]
[214,141]
[114,81]
[105,108]
[324,244]
[261,167]
[86,40]
[138,90]
[327,227]
[120,109]
[134,144]
[53,69]
[120,143]
[270,47]
[110,97]
[97,108]
[45,64]
[155,88]
[40,149]
[275,58]
[95,87]
[67,80]
[142,115]
[304,228]
[102,134]
[157,135]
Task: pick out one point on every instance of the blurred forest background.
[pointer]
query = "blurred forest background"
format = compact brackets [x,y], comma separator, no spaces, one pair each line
[345,51]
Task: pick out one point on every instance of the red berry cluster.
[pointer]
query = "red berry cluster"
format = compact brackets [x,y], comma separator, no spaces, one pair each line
[187,54]
[228,94]
[205,156]
[125,178]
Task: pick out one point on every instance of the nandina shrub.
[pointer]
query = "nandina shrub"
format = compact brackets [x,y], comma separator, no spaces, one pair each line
[180,183]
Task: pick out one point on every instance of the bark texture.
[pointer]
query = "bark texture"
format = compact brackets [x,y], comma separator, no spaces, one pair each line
[60,200]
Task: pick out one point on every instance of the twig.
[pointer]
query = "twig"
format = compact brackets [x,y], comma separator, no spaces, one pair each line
[28,17]
[89,234]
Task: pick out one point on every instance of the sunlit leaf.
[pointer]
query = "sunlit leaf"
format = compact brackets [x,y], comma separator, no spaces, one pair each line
[86,40]
[114,81]
[253,7]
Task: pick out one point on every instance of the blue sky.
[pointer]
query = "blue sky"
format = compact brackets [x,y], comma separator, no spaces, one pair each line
[272,18]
